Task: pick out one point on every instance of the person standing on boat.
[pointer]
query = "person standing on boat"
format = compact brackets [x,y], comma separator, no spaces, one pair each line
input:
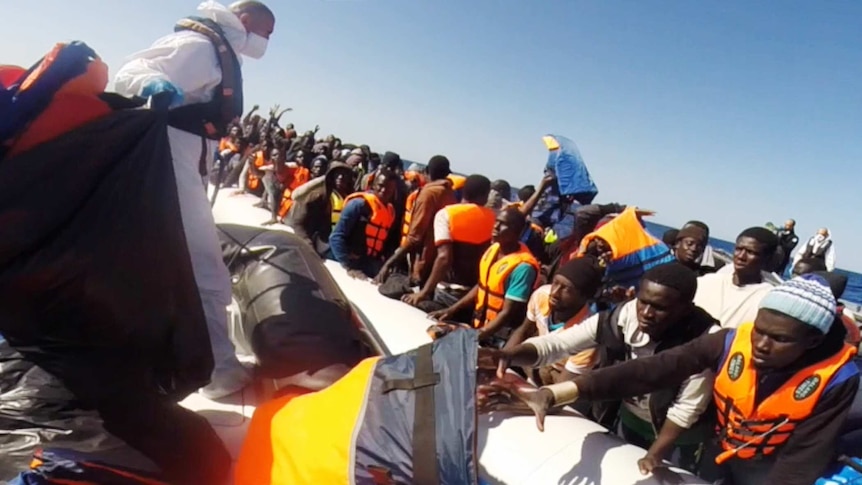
[733,297]
[784,386]
[195,72]
[662,317]
[358,241]
[787,241]
[820,247]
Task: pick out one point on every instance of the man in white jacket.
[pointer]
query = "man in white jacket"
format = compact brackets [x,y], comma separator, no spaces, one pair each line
[195,73]
[820,247]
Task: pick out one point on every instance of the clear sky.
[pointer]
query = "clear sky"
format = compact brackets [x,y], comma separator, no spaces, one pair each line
[736,113]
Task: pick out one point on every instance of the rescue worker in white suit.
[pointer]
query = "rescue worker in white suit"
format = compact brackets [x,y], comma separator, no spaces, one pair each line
[195,74]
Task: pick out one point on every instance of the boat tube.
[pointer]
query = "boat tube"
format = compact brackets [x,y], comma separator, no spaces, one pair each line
[274,273]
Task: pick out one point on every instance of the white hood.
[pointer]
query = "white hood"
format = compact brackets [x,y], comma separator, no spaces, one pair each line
[228,21]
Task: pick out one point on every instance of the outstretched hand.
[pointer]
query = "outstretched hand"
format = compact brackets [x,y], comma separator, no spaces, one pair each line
[512,393]
[653,465]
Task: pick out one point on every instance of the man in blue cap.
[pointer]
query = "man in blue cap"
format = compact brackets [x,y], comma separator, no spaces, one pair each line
[783,387]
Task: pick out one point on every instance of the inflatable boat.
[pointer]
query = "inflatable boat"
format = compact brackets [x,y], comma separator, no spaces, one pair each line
[511,450]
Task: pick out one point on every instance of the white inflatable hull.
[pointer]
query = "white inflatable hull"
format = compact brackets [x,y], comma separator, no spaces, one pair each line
[512,451]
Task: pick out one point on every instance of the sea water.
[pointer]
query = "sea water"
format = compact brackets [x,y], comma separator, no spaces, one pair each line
[853,293]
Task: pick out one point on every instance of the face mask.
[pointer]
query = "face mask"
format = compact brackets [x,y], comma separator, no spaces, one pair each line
[255,46]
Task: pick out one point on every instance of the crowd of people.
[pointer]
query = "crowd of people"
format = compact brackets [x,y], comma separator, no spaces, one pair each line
[583,301]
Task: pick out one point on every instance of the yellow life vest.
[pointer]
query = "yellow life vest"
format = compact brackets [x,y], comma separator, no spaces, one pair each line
[337,203]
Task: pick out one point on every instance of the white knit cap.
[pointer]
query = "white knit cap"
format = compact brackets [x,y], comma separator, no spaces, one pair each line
[806,298]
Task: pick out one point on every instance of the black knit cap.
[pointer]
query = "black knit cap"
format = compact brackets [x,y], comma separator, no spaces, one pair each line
[584,274]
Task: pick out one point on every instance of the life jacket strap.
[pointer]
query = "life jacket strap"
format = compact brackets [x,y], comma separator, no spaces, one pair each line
[425,467]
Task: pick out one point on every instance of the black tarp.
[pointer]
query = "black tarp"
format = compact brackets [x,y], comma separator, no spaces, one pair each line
[97,288]
[93,257]
[37,411]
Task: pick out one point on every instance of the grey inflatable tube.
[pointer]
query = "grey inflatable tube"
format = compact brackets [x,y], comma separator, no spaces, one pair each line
[295,319]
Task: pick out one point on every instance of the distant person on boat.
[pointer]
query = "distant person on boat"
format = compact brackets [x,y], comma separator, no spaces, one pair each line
[501,192]
[807,265]
[787,241]
[557,306]
[733,298]
[462,234]
[820,246]
[708,262]
[418,227]
[317,206]
[661,318]
[359,238]
[688,247]
[507,276]
[184,72]
[784,386]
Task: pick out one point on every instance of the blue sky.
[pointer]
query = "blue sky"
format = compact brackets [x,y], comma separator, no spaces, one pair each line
[736,113]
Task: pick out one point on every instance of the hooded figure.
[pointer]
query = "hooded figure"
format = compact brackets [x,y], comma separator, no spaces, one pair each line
[183,72]
[311,216]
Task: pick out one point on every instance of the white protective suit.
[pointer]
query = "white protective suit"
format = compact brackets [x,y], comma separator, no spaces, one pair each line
[188,60]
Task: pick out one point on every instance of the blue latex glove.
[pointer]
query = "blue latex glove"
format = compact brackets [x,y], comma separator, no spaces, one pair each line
[164,95]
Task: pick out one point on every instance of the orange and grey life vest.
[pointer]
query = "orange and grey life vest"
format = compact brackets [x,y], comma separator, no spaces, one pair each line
[211,119]
[634,249]
[378,225]
[493,274]
[408,214]
[409,418]
[747,429]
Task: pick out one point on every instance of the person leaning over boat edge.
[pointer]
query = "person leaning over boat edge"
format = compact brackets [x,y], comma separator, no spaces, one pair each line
[784,387]
[359,238]
[557,306]
[661,318]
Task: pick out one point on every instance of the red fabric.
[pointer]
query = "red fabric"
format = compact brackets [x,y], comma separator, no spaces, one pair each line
[10,74]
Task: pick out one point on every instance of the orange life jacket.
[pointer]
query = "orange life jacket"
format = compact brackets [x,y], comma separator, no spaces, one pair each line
[470,223]
[493,274]
[377,228]
[747,430]
[294,179]
[388,421]
[634,250]
[458,181]
[408,214]
[253,180]
[227,144]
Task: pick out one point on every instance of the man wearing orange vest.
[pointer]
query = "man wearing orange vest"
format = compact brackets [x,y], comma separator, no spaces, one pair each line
[507,276]
[418,229]
[462,234]
[784,385]
[359,237]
